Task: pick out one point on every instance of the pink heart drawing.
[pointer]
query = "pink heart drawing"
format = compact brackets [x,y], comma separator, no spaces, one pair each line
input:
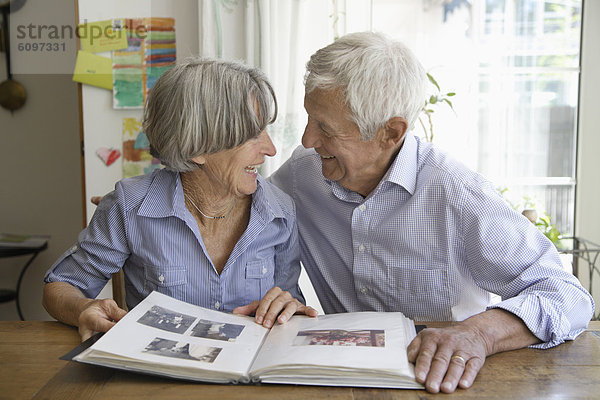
[107,155]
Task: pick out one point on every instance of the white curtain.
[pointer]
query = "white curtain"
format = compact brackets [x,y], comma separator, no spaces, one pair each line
[277,36]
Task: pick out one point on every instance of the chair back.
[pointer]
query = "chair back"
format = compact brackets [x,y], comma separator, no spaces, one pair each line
[118,288]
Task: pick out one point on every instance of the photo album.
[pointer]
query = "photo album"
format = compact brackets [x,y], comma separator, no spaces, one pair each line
[168,337]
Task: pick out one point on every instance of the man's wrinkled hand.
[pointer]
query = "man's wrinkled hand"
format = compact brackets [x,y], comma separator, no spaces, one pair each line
[99,316]
[447,358]
[276,305]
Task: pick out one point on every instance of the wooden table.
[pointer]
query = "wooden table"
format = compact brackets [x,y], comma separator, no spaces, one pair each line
[30,369]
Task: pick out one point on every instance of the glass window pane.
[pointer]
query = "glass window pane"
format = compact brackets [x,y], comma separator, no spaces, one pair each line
[555,201]
[494,17]
[527,124]
[514,65]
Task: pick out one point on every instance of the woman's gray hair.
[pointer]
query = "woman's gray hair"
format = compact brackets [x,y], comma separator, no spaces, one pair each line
[379,78]
[202,106]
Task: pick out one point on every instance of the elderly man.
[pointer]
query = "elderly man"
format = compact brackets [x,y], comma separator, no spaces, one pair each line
[390,223]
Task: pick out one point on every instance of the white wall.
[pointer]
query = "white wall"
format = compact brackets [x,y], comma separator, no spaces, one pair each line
[587,218]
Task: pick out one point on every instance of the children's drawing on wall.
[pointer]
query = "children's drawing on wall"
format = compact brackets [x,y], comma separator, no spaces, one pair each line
[150,52]
[137,159]
[108,155]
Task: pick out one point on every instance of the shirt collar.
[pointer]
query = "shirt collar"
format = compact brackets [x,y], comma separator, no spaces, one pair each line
[265,202]
[165,198]
[403,171]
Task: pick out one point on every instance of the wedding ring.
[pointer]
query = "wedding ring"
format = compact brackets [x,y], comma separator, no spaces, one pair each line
[456,356]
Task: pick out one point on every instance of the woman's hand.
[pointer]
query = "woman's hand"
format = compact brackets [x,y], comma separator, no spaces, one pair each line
[67,304]
[99,316]
[275,305]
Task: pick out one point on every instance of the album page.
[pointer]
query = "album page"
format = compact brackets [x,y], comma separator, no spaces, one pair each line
[169,337]
[351,349]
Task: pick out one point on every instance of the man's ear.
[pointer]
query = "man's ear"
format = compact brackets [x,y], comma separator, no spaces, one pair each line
[200,160]
[392,133]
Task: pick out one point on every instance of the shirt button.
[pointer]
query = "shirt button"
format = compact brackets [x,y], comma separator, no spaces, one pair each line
[161,278]
[362,207]
[264,270]
[361,248]
[363,290]
[217,305]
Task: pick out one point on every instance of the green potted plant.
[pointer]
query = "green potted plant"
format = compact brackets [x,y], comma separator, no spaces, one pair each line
[543,222]
[436,99]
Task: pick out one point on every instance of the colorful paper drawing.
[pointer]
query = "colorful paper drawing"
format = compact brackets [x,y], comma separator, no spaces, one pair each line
[107,155]
[94,70]
[137,159]
[101,36]
[150,52]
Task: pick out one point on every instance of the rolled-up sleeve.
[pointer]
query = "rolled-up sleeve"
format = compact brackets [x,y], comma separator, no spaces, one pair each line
[510,257]
[100,251]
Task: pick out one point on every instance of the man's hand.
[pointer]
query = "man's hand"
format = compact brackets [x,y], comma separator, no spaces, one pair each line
[99,316]
[447,358]
[276,304]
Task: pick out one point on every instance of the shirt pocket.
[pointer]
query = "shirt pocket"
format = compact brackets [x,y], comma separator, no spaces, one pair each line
[421,293]
[171,281]
[259,278]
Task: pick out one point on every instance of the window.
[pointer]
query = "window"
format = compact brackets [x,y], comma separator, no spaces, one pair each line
[514,65]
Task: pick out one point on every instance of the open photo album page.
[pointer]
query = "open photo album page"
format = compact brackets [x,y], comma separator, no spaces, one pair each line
[175,338]
[352,344]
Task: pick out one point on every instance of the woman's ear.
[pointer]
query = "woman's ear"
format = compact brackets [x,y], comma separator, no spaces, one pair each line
[199,160]
[392,133]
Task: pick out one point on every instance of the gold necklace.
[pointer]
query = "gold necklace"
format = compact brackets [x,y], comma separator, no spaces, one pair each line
[208,216]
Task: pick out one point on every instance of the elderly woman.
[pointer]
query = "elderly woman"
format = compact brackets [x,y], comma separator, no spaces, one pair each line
[207,229]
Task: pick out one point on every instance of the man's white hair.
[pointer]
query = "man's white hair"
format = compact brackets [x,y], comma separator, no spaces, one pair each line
[379,79]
